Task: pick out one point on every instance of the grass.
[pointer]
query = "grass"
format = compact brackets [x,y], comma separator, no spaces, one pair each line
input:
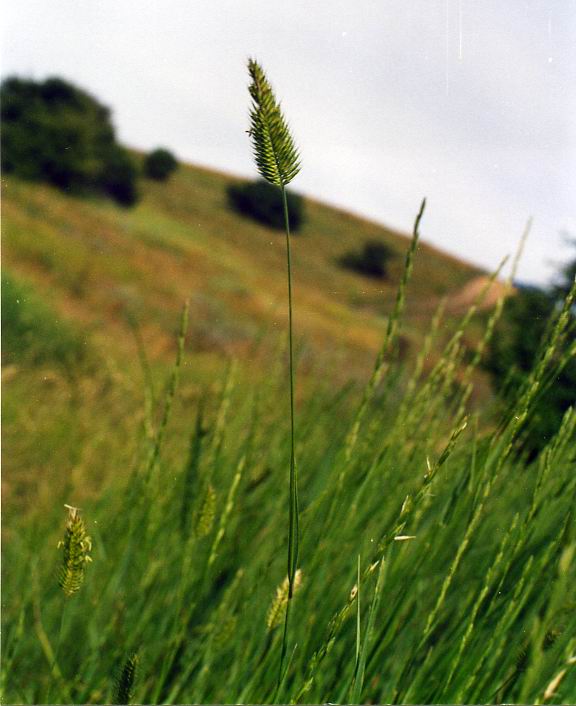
[466,557]
[96,261]
[278,162]
[436,560]
[36,335]
[98,267]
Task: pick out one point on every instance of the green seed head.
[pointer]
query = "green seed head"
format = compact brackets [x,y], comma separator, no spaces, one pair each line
[205,517]
[76,546]
[278,605]
[275,153]
[126,680]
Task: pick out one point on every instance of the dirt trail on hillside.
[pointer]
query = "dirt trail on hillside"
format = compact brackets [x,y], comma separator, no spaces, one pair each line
[465,297]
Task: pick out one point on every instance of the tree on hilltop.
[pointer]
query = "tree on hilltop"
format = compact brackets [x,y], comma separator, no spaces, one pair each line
[160,164]
[55,132]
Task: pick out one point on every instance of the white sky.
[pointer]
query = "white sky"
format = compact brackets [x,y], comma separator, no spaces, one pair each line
[471,103]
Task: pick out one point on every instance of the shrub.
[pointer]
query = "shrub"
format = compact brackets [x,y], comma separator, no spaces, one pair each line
[371,261]
[55,132]
[160,164]
[262,202]
[119,178]
[514,351]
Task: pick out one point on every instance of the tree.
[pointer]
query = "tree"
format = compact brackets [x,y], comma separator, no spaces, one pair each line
[371,261]
[514,350]
[119,178]
[262,202]
[54,131]
[160,164]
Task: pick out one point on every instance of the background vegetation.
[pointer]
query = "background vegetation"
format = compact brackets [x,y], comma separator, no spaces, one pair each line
[262,202]
[516,346]
[54,131]
[372,260]
[160,164]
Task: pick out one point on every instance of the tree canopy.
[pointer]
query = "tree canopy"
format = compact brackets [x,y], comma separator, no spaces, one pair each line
[516,346]
[55,132]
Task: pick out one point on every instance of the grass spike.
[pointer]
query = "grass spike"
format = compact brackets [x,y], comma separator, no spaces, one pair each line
[206,513]
[76,547]
[228,507]
[275,153]
[190,475]
[356,591]
[172,385]
[278,162]
[278,605]
[389,338]
[359,680]
[126,680]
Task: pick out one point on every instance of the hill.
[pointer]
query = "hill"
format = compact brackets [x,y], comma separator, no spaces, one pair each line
[93,260]
[148,506]
[97,271]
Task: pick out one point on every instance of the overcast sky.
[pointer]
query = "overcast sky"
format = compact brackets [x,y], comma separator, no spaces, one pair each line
[471,103]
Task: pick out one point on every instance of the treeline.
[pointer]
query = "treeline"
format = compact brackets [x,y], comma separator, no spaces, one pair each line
[55,132]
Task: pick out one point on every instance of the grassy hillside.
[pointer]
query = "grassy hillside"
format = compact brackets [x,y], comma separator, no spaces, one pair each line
[436,559]
[99,280]
[183,241]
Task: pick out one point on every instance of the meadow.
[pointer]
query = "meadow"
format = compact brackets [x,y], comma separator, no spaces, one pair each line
[437,565]
[436,559]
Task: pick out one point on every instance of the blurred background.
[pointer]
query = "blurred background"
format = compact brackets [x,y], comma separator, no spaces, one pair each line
[469,103]
[129,187]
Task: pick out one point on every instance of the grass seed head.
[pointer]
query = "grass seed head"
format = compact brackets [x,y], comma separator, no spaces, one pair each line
[76,546]
[205,517]
[126,680]
[275,153]
[278,605]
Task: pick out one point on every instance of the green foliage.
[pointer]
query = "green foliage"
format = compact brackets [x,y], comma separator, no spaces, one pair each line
[32,333]
[119,176]
[262,202]
[566,277]
[275,153]
[55,132]
[371,261]
[160,164]
[519,336]
[515,349]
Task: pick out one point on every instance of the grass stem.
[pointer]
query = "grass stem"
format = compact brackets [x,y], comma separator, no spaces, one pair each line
[293,513]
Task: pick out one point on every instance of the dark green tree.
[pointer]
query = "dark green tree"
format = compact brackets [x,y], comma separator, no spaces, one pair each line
[262,202]
[515,347]
[371,261]
[160,164]
[54,131]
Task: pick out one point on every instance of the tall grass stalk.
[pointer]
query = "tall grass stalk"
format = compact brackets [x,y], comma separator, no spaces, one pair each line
[169,399]
[278,162]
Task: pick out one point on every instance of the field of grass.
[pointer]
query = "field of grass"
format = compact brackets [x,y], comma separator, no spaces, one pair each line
[437,563]
[115,279]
